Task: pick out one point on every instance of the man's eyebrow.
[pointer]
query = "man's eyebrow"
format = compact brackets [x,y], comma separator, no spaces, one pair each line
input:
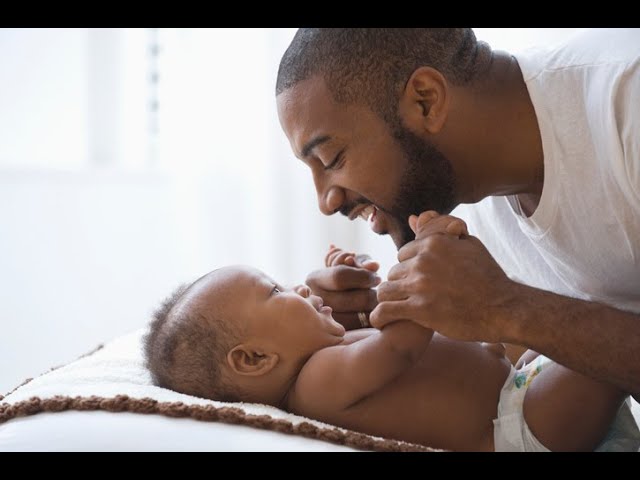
[311,144]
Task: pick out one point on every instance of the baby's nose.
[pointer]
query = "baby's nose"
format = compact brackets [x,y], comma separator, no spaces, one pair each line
[303,290]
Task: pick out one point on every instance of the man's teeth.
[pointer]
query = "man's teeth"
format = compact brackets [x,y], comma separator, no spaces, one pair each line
[367,212]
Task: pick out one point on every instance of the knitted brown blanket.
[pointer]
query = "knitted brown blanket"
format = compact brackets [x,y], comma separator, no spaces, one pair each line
[206,413]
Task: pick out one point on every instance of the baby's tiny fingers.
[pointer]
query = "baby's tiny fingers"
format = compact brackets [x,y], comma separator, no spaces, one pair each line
[340,258]
[331,255]
[364,261]
[457,227]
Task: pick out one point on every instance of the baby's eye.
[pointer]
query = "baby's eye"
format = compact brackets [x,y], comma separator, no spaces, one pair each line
[276,289]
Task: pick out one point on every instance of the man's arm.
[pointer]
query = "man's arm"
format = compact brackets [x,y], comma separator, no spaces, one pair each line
[594,339]
[454,286]
[341,376]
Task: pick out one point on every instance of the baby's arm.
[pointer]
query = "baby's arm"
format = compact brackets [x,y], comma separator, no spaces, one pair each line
[339,377]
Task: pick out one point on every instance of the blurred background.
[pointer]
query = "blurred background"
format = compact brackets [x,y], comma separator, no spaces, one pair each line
[132,160]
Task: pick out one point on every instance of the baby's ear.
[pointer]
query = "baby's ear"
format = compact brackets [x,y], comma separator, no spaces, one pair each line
[248,360]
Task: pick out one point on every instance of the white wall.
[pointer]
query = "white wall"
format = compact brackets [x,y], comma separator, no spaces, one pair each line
[83,257]
[43,92]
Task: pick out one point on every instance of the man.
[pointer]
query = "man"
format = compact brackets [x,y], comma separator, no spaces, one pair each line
[545,149]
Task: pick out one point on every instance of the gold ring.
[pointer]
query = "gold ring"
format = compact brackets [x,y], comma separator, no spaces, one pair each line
[363,320]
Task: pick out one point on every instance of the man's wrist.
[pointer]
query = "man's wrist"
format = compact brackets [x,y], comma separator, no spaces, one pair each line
[514,313]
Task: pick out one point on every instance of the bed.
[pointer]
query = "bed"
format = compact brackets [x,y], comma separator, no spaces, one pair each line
[105,401]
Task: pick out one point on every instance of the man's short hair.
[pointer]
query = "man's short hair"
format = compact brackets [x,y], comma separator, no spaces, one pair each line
[372,65]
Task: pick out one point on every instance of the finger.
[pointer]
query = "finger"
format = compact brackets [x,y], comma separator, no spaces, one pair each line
[408,250]
[392,291]
[341,277]
[430,226]
[339,258]
[351,301]
[424,218]
[431,243]
[388,312]
[457,228]
[332,256]
[412,223]
[427,224]
[440,225]
[364,261]
[399,270]
[333,251]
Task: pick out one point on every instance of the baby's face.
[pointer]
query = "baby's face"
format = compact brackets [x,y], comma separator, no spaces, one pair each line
[286,319]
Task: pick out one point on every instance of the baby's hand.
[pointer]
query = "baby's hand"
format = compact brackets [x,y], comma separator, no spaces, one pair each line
[431,222]
[337,256]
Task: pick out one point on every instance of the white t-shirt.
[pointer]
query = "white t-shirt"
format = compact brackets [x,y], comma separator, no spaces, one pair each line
[583,240]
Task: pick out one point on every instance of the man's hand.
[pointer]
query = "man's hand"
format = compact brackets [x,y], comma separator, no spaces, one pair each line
[346,285]
[446,280]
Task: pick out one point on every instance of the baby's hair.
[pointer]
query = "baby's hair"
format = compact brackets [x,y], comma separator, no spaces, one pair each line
[184,349]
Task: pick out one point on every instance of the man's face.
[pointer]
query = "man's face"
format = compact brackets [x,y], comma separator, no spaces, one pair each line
[360,164]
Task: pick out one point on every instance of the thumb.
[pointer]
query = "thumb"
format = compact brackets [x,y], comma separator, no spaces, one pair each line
[424,218]
[458,228]
[383,315]
[412,223]
[417,222]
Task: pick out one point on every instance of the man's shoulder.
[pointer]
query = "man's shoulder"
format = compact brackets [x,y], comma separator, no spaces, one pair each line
[592,49]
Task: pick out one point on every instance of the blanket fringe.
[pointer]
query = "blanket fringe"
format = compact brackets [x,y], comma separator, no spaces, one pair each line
[207,413]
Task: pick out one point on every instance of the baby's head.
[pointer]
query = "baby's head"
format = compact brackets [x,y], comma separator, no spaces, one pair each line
[237,335]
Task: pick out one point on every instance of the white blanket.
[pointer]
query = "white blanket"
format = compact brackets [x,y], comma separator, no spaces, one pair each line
[118,369]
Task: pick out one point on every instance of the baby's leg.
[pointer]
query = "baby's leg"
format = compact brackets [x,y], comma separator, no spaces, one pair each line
[567,411]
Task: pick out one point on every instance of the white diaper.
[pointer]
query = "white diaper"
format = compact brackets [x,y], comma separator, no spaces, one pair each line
[512,434]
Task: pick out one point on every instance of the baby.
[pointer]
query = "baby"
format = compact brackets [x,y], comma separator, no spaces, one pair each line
[236,334]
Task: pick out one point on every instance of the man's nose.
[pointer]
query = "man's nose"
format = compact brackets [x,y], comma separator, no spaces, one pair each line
[302,290]
[331,200]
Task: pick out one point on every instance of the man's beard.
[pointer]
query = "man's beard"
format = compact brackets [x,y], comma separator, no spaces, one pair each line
[427,184]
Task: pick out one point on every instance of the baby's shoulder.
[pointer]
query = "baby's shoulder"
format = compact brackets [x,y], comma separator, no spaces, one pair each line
[316,379]
[322,375]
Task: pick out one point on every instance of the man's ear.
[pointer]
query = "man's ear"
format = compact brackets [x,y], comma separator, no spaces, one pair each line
[424,103]
[251,361]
